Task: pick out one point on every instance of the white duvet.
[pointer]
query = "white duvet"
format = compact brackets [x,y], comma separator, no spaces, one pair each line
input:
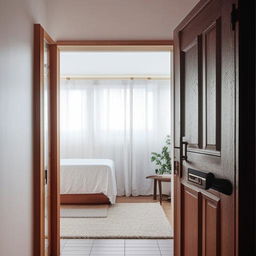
[88,176]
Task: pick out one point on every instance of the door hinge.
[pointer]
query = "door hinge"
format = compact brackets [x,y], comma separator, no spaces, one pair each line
[234,16]
[46,176]
[176,167]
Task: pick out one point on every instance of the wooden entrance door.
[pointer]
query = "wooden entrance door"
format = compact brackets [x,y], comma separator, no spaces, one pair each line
[205,131]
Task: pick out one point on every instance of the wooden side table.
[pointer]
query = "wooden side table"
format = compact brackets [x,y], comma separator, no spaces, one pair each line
[159,179]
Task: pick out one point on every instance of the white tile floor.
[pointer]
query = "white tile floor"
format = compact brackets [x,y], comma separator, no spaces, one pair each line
[116,247]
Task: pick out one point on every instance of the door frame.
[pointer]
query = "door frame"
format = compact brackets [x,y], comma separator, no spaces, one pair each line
[40,37]
[120,45]
[246,195]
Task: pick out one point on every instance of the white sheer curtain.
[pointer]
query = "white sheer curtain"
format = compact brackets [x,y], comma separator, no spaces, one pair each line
[120,120]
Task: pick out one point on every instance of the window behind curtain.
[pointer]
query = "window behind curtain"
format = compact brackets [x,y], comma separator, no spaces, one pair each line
[121,120]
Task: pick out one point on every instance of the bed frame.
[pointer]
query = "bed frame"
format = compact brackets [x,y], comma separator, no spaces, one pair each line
[99,198]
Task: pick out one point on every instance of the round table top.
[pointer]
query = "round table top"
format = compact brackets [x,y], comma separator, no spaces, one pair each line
[164,177]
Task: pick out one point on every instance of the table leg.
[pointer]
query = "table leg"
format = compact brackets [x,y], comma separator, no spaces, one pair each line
[155,188]
[160,190]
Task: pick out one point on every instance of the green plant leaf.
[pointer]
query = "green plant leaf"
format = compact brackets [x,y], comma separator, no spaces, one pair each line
[163,159]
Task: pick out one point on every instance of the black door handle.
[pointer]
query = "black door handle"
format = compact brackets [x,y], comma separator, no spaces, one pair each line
[222,185]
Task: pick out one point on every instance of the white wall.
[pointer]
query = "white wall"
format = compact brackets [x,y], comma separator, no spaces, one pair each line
[115,63]
[116,19]
[16,66]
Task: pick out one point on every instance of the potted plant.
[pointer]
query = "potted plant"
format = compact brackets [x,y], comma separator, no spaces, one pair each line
[163,160]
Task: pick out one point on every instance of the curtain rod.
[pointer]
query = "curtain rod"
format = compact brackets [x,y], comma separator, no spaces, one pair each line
[115,77]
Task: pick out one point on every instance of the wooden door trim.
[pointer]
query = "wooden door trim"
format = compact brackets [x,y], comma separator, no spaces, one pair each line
[121,45]
[55,150]
[40,36]
[196,10]
[55,127]
[114,42]
[48,38]
[38,141]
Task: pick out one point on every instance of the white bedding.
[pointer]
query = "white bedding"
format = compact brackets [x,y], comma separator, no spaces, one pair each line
[88,176]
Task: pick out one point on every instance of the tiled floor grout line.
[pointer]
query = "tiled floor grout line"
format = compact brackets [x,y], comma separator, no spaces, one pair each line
[62,247]
[159,247]
[91,247]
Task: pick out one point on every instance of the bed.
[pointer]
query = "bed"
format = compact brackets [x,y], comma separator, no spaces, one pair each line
[87,181]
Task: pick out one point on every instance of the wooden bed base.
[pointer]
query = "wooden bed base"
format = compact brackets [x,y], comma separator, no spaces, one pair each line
[84,199]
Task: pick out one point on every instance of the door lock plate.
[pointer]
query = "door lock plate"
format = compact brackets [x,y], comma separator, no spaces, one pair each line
[200,179]
[195,179]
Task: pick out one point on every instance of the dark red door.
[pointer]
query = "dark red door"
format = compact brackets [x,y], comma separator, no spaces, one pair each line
[205,131]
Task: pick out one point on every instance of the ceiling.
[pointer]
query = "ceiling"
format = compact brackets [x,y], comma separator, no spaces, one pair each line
[116,19]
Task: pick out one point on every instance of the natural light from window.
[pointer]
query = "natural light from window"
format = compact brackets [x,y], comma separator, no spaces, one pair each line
[104,100]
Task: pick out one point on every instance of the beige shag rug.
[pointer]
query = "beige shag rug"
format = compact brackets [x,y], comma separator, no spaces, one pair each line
[124,220]
[84,211]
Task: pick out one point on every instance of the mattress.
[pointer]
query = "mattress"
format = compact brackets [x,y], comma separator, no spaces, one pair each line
[88,176]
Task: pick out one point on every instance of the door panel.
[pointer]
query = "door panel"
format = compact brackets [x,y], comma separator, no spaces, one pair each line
[191,94]
[190,227]
[212,85]
[210,226]
[204,96]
